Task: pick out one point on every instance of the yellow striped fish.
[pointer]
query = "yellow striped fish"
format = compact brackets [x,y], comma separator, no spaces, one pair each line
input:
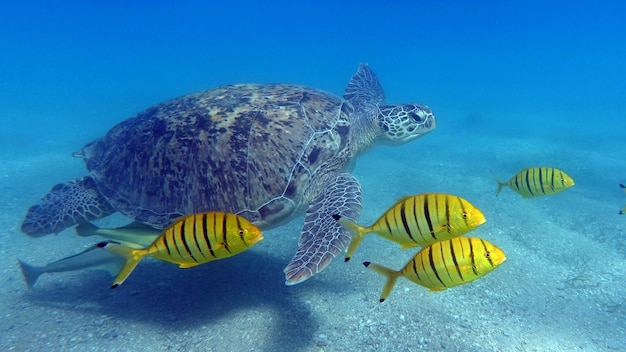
[445,264]
[538,181]
[623,210]
[419,220]
[192,240]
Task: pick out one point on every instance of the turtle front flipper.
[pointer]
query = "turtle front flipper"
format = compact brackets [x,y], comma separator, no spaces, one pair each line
[322,237]
[65,205]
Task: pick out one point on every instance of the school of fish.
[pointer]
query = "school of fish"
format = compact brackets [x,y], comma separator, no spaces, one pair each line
[433,221]
[436,222]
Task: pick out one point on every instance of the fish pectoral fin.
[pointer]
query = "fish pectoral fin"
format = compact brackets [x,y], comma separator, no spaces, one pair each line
[188,265]
[441,228]
[465,269]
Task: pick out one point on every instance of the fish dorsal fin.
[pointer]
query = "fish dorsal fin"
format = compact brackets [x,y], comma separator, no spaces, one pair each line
[403,198]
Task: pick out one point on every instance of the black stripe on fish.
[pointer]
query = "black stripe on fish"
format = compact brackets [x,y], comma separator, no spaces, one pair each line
[427,215]
[528,183]
[445,265]
[456,263]
[437,208]
[415,270]
[404,223]
[198,235]
[177,240]
[432,265]
[224,230]
[166,241]
[208,235]
[415,216]
[472,256]
[541,185]
[388,224]
[183,237]
[550,178]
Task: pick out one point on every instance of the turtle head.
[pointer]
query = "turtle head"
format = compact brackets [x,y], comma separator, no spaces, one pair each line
[403,123]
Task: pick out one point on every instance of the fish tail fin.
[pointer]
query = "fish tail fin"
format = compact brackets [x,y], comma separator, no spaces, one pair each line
[31,273]
[86,229]
[500,185]
[390,274]
[357,231]
[132,257]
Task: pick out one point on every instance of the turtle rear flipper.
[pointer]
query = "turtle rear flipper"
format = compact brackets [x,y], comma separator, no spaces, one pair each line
[65,205]
[323,238]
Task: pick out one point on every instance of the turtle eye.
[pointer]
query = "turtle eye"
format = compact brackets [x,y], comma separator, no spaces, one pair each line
[415,117]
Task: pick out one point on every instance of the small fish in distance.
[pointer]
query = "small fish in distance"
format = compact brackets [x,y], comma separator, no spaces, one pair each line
[537,181]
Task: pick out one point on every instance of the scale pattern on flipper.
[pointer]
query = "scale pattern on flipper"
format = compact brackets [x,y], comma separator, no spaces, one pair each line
[66,204]
[322,237]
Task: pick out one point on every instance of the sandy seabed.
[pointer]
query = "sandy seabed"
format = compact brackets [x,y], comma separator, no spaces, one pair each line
[561,289]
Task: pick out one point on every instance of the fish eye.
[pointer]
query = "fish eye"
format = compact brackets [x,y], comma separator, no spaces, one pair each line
[487,255]
[465,215]
[242,232]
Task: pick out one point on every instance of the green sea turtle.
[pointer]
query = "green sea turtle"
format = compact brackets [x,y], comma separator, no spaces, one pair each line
[268,152]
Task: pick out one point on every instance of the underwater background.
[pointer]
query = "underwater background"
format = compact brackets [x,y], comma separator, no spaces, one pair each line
[513,84]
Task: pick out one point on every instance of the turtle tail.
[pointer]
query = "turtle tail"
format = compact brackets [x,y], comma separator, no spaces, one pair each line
[65,205]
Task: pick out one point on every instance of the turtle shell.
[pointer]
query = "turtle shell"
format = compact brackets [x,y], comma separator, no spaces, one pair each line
[249,149]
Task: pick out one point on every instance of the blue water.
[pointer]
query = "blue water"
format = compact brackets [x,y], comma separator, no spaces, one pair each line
[513,84]
[77,67]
